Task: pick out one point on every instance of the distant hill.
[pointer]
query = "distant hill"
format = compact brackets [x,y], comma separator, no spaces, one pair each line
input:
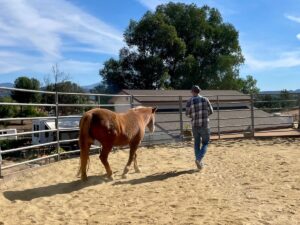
[6,84]
[87,88]
[278,92]
[5,93]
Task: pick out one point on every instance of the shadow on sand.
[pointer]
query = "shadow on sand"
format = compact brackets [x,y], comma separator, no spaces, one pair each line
[66,188]
[156,177]
[60,188]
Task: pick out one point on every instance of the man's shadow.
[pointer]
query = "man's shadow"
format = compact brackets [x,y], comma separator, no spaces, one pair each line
[47,191]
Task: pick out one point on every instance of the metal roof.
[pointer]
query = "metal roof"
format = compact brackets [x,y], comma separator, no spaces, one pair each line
[173,95]
[63,123]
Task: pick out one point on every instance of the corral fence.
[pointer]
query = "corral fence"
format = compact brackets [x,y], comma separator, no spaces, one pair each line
[243,115]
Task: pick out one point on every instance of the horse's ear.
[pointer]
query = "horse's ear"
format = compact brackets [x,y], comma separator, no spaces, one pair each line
[154,109]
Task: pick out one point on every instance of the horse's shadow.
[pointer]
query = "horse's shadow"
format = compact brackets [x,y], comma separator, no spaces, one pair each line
[155,177]
[66,188]
[47,191]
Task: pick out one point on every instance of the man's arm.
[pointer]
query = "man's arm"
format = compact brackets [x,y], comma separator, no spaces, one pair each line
[188,108]
[210,108]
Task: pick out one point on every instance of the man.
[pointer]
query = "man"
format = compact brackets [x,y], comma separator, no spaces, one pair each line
[199,108]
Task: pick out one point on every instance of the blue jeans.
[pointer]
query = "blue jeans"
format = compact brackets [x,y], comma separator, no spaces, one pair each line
[200,134]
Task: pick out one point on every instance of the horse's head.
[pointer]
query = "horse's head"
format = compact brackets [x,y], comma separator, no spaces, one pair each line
[151,123]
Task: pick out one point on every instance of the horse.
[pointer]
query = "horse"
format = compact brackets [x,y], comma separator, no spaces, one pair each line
[113,129]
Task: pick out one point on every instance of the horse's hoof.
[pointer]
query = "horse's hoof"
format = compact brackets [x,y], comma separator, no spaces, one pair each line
[84,178]
[124,176]
[138,170]
[109,177]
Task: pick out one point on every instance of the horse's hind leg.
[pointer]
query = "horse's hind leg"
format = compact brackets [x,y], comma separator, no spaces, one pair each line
[103,157]
[84,160]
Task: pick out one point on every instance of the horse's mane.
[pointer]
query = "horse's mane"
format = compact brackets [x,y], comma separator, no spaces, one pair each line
[138,107]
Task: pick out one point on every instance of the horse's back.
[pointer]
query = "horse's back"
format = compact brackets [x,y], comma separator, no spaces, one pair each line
[115,128]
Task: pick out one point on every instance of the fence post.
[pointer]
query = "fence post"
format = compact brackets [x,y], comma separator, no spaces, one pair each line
[180,117]
[131,101]
[0,162]
[99,100]
[252,116]
[56,125]
[299,111]
[218,108]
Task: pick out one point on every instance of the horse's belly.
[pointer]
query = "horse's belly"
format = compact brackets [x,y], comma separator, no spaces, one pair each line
[121,141]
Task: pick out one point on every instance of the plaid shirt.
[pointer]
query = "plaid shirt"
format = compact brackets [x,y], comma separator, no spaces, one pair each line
[199,108]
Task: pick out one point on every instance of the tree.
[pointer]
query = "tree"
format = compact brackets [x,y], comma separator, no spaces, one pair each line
[174,47]
[267,102]
[248,85]
[286,97]
[56,74]
[25,97]
[7,111]
[66,86]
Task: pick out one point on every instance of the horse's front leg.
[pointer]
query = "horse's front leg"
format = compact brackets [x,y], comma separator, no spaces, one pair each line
[136,167]
[132,153]
[103,157]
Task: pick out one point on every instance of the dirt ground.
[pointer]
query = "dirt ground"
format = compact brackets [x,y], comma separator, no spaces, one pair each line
[243,182]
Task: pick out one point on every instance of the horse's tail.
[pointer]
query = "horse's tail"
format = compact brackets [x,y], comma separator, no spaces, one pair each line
[85,140]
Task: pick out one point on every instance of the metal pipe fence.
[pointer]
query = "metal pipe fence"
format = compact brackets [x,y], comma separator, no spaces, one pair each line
[235,114]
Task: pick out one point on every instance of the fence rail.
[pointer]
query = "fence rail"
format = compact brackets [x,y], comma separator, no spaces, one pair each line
[168,128]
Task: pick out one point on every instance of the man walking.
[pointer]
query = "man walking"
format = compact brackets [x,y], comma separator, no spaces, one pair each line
[199,108]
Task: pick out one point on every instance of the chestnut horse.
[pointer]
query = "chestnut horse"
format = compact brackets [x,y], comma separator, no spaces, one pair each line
[113,129]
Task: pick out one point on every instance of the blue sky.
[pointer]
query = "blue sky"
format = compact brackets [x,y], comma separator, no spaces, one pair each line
[80,35]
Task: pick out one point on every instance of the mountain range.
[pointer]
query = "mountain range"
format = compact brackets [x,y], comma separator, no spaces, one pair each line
[297,91]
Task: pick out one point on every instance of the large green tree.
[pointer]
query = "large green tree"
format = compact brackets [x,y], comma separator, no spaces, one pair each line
[7,110]
[248,85]
[66,86]
[174,47]
[26,83]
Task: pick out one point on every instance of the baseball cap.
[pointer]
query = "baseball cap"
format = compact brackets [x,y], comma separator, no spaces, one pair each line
[196,89]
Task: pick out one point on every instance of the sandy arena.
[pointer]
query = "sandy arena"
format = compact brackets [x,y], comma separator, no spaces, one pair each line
[244,182]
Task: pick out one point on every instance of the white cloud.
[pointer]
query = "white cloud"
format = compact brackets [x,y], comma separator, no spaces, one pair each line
[38,67]
[43,25]
[284,60]
[35,34]
[278,58]
[293,18]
